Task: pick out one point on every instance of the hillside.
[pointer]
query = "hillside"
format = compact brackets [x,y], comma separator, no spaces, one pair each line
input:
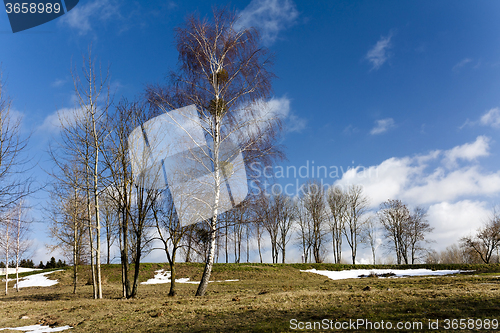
[266,298]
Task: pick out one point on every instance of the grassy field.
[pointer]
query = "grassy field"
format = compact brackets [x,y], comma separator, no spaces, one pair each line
[266,299]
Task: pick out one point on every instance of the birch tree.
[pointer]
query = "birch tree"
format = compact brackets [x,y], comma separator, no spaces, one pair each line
[223,71]
[357,204]
[132,200]
[486,240]
[338,204]
[68,215]
[406,231]
[15,182]
[6,244]
[284,208]
[83,132]
[20,230]
[170,233]
[314,202]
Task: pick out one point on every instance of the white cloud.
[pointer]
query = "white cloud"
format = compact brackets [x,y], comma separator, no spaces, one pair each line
[382,125]
[83,14]
[461,64]
[452,221]
[468,151]
[255,119]
[54,121]
[379,54]
[58,83]
[349,130]
[269,17]
[491,118]
[414,180]
[295,123]
[441,185]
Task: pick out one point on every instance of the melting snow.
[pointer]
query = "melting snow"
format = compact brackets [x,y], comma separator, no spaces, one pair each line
[355,273]
[37,280]
[37,329]
[21,270]
[162,276]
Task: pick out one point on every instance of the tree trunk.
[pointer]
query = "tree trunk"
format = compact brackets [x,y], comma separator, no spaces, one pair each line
[91,236]
[124,253]
[7,259]
[172,291]
[18,247]
[248,246]
[258,245]
[75,239]
[108,241]
[137,264]
[227,253]
[202,288]
[96,204]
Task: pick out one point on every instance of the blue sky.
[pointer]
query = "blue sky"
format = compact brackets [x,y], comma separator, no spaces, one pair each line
[407,90]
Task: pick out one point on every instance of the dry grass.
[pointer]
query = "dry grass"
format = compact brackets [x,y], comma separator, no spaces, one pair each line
[265,299]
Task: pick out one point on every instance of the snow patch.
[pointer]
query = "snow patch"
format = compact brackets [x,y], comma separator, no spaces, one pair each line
[21,270]
[163,276]
[37,329]
[355,273]
[37,280]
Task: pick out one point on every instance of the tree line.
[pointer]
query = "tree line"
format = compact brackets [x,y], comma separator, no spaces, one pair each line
[97,201]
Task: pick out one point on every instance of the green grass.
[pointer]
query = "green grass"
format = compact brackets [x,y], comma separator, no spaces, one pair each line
[265,299]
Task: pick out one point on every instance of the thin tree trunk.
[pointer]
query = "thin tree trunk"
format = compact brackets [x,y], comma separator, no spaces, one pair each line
[171,261]
[75,239]
[202,288]
[75,263]
[7,259]
[96,203]
[258,244]
[248,246]
[227,253]
[18,244]
[137,264]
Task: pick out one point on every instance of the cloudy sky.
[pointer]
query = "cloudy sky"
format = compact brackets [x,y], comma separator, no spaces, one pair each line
[402,97]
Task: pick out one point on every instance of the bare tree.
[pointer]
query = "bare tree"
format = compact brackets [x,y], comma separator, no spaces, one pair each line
[370,236]
[304,224]
[142,220]
[314,224]
[417,229]
[82,139]
[110,217]
[453,254]
[238,219]
[338,204]
[20,232]
[486,240]
[68,215]
[125,118]
[272,227]
[224,73]
[405,230]
[257,216]
[284,208]
[133,200]
[15,184]
[170,232]
[357,204]
[6,244]
[394,217]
